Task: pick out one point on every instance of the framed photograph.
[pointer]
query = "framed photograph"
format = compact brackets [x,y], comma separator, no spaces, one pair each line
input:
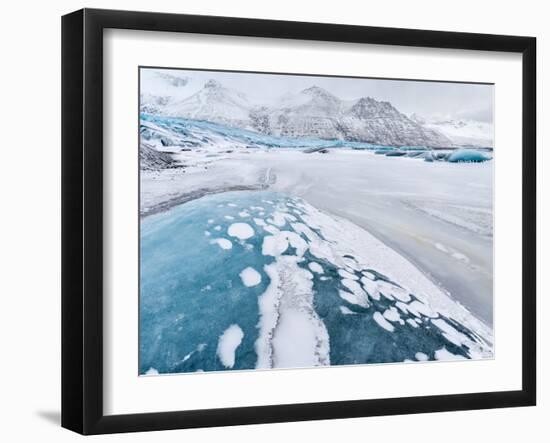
[270,221]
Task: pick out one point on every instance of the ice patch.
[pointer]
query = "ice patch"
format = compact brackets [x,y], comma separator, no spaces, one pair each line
[443,354]
[259,222]
[244,214]
[360,296]
[207,234]
[382,322]
[274,245]
[285,308]
[392,314]
[217,228]
[411,322]
[346,311]
[151,371]
[278,243]
[347,275]
[420,356]
[210,221]
[250,277]
[369,275]
[229,217]
[222,243]
[271,229]
[241,231]
[277,219]
[228,343]
[315,267]
[455,337]
[418,308]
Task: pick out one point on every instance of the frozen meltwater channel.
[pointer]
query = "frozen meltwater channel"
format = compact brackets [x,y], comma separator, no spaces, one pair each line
[286,286]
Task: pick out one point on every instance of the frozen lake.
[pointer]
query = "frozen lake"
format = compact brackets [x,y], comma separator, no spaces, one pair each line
[263,279]
[438,215]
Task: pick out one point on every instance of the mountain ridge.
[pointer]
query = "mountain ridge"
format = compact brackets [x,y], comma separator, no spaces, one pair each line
[312,112]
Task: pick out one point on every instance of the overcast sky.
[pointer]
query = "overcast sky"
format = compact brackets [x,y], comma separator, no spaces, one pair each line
[429,99]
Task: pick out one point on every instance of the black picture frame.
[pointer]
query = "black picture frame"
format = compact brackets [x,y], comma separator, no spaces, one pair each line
[82,218]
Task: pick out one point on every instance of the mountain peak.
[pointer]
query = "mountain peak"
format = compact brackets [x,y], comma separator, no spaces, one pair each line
[316,91]
[212,84]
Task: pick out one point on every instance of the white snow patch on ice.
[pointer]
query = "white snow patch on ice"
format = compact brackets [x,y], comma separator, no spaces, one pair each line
[285,308]
[241,231]
[382,322]
[391,314]
[271,229]
[369,275]
[259,222]
[222,243]
[346,311]
[420,356]
[228,343]
[315,267]
[250,277]
[360,296]
[347,275]
[443,354]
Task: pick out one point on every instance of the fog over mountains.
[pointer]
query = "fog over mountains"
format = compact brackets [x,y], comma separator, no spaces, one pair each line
[313,112]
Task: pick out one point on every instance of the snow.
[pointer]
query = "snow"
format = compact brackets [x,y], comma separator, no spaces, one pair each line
[382,322]
[274,245]
[369,275]
[392,315]
[315,267]
[420,356]
[359,296]
[347,275]
[353,299]
[346,311]
[444,354]
[286,307]
[222,243]
[450,333]
[228,343]
[242,231]
[250,277]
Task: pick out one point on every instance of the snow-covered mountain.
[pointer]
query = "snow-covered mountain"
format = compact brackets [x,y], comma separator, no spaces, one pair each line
[312,112]
[163,88]
[460,132]
[215,103]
